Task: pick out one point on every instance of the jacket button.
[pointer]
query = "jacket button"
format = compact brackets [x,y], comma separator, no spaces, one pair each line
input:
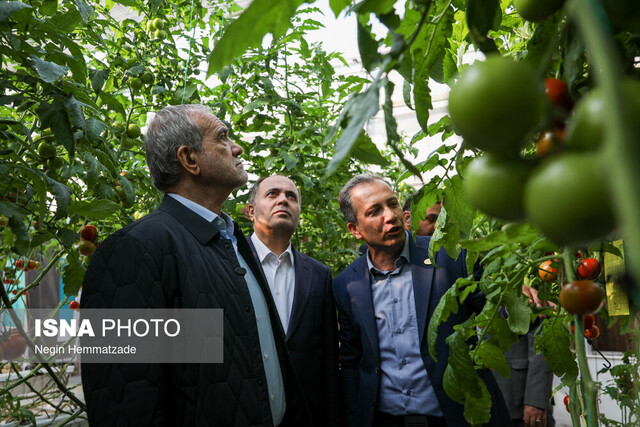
[247,309]
[260,382]
[240,271]
[377,371]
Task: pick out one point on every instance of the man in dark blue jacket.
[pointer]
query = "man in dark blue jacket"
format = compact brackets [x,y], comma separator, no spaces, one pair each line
[190,254]
[385,301]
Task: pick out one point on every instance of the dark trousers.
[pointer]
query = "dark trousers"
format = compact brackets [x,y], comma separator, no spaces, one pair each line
[381,419]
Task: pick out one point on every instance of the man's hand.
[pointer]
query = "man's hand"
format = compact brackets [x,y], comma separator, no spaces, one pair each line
[532,294]
[534,417]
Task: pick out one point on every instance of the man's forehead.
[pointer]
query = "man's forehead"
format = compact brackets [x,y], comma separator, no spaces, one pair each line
[278,183]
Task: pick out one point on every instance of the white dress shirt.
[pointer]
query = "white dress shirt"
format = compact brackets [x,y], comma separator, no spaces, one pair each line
[280,276]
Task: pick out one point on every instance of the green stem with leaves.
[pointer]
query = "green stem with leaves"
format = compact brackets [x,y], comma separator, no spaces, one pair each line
[621,149]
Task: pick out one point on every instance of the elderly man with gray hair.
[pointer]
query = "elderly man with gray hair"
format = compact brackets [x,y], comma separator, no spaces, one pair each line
[190,254]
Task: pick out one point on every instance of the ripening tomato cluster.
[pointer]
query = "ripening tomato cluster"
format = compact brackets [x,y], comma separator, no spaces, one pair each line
[567,399]
[31,264]
[591,330]
[500,106]
[88,243]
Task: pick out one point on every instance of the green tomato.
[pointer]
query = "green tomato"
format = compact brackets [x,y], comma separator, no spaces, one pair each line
[46,150]
[496,186]
[128,143]
[537,10]
[135,83]
[118,128]
[586,128]
[133,131]
[158,23]
[496,104]
[147,77]
[55,162]
[160,34]
[568,197]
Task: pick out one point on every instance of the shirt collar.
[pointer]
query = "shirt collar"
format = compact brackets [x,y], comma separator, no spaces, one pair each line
[405,254]
[205,213]
[263,251]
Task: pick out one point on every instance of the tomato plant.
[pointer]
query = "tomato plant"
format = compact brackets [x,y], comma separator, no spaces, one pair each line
[581,297]
[589,269]
[547,271]
[495,104]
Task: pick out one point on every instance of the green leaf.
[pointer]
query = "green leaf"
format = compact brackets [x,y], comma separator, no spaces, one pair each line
[338,6]
[94,129]
[490,355]
[258,19]
[48,71]
[112,102]
[368,47]
[357,111]
[406,93]
[459,210]
[98,78]
[85,10]
[422,97]
[62,194]
[518,310]
[75,109]
[366,151]
[290,159]
[448,304]
[99,209]
[555,342]
[16,222]
[68,237]
[64,22]
[72,275]
[55,116]
[8,8]
[483,16]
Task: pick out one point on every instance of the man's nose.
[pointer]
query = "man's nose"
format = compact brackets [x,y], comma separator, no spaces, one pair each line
[236,150]
[390,215]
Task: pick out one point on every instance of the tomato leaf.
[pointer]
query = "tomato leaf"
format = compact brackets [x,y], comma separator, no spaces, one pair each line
[98,209]
[258,19]
[366,151]
[368,47]
[555,342]
[492,356]
[448,304]
[72,274]
[518,310]
[48,71]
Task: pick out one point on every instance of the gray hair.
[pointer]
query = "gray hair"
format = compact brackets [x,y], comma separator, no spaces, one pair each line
[253,194]
[171,128]
[345,194]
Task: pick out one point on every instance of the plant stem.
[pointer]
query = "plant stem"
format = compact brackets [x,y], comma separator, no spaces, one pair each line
[589,389]
[621,149]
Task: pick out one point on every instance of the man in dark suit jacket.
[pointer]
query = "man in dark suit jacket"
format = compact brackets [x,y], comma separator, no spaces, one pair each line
[385,301]
[301,288]
[528,389]
[190,254]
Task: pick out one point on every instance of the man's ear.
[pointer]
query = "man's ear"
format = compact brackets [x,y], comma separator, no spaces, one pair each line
[407,219]
[189,160]
[251,211]
[353,229]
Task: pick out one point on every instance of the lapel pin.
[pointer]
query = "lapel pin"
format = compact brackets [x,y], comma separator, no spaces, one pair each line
[427,261]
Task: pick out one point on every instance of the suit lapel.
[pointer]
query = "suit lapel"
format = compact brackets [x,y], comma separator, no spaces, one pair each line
[302,290]
[360,291]
[422,277]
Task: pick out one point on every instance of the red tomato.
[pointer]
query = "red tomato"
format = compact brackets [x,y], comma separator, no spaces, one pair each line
[88,232]
[14,346]
[19,264]
[557,92]
[74,305]
[566,400]
[589,269]
[581,297]
[588,321]
[592,333]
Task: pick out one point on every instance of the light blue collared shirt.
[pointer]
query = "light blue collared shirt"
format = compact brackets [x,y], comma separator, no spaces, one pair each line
[275,383]
[405,388]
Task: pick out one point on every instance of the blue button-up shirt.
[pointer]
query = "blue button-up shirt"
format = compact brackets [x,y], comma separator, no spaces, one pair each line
[404,384]
[275,383]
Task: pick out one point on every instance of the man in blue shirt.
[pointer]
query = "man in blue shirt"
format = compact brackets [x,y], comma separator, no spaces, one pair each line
[385,301]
